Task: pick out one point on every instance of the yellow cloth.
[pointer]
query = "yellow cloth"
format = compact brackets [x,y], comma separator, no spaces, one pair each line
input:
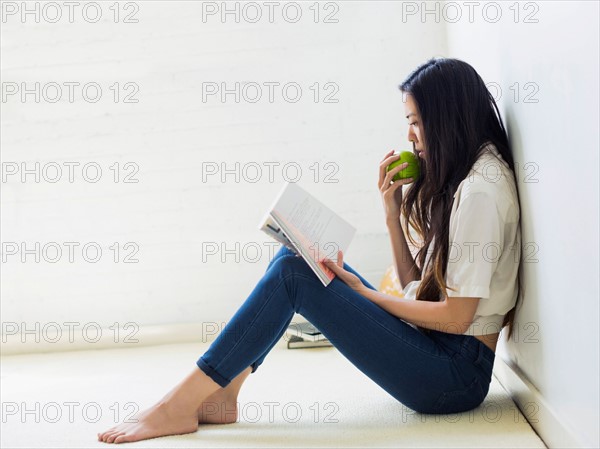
[390,284]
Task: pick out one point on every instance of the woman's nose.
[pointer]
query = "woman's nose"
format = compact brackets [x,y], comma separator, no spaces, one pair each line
[411,136]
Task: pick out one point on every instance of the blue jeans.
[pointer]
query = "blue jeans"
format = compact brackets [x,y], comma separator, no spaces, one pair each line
[433,372]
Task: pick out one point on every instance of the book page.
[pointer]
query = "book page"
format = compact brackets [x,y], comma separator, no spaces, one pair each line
[270,227]
[314,228]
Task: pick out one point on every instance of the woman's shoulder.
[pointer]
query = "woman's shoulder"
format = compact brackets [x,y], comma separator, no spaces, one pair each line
[490,177]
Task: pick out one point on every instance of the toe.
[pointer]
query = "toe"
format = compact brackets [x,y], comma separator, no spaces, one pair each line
[114,436]
[102,435]
[123,438]
[108,435]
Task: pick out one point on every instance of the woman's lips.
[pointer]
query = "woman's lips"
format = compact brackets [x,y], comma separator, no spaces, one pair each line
[420,154]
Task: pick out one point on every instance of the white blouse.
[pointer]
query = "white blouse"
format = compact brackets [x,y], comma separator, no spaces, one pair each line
[485,242]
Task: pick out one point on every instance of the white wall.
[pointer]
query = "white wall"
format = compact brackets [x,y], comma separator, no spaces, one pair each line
[556,347]
[170,132]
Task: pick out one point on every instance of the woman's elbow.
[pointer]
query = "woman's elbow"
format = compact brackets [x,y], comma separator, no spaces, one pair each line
[456,327]
[460,313]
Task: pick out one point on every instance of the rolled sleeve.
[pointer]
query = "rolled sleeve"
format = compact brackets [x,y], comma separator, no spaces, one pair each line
[475,246]
[410,291]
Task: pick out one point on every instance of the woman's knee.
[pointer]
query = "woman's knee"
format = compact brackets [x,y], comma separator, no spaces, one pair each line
[283,251]
[295,276]
[288,262]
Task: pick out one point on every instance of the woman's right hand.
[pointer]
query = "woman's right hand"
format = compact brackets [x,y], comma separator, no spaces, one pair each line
[391,192]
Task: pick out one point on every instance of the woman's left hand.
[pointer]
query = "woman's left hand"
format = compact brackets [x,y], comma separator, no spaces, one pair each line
[349,278]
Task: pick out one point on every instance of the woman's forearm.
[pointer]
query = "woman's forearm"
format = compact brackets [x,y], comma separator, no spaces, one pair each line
[428,314]
[405,265]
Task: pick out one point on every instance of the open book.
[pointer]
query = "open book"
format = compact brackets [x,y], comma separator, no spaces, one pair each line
[307,227]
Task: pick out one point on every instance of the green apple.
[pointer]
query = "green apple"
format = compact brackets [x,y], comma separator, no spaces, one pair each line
[413,169]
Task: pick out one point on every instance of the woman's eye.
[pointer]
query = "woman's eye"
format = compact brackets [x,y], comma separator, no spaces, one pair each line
[412,124]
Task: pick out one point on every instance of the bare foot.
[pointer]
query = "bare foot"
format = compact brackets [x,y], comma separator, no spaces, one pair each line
[218,408]
[175,414]
[159,420]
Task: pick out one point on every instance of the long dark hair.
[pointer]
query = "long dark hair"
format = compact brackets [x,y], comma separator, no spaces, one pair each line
[458,115]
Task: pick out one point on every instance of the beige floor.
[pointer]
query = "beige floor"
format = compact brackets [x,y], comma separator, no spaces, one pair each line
[297,398]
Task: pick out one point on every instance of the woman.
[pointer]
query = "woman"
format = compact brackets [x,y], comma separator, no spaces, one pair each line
[433,350]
